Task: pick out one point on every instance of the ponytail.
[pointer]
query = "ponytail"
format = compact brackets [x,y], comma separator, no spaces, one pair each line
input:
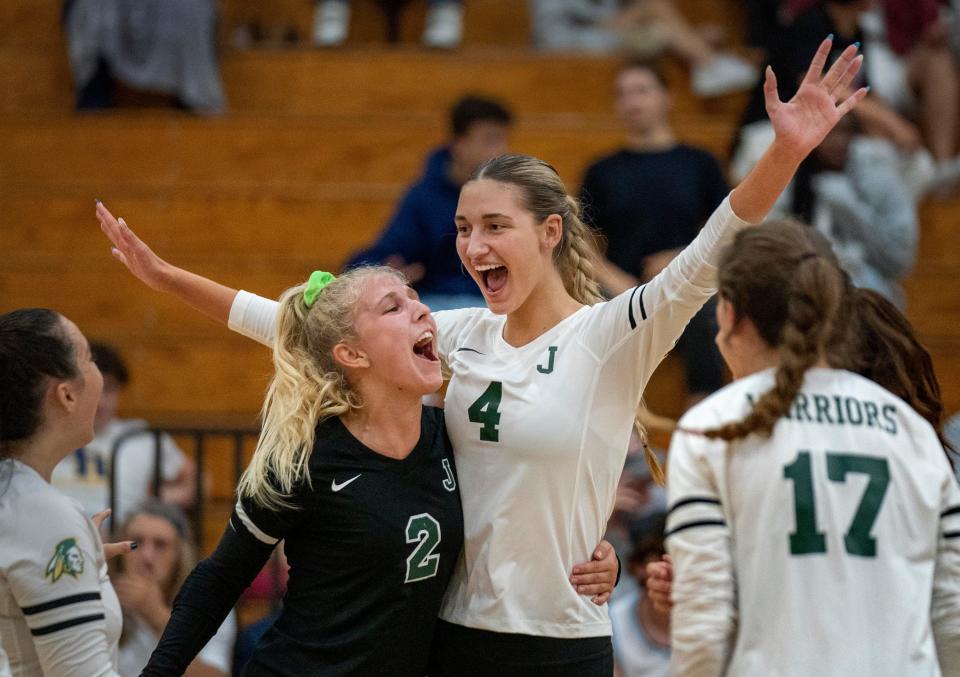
[308,386]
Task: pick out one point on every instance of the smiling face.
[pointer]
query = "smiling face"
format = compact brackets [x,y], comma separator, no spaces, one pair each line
[396,339]
[500,243]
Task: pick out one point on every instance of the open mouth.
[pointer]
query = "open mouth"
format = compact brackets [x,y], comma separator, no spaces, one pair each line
[494,277]
[424,347]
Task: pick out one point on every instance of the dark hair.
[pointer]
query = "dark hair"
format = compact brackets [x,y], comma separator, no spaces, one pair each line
[472,109]
[785,278]
[651,67]
[885,349]
[33,348]
[109,362]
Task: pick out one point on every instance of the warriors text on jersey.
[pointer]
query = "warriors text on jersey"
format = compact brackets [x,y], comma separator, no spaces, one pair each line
[59,614]
[371,545]
[541,432]
[830,548]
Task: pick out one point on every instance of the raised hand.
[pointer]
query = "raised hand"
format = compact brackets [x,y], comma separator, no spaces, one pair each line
[133,252]
[802,122]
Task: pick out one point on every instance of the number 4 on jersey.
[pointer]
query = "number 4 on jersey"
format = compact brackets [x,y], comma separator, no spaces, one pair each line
[486,410]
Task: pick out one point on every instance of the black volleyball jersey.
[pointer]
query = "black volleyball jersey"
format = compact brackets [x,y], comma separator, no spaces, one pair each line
[371,546]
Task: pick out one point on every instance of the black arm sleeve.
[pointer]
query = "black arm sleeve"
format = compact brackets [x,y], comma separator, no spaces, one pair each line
[206,598]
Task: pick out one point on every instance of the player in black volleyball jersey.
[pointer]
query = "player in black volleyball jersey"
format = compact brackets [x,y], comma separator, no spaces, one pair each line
[355,476]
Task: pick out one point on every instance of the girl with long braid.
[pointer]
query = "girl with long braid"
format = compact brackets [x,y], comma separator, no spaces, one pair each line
[545,384]
[814,524]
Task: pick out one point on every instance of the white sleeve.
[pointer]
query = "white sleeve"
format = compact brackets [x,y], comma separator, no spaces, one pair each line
[218,652]
[254,317]
[945,606]
[704,616]
[57,586]
[173,458]
[648,320]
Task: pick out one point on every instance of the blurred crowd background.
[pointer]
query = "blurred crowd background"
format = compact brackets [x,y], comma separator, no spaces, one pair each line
[255,142]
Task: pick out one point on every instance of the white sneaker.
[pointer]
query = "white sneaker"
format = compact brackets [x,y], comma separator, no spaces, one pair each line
[331,21]
[723,74]
[444,26]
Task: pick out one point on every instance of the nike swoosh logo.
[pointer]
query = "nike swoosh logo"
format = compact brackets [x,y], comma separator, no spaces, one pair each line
[337,487]
[470,350]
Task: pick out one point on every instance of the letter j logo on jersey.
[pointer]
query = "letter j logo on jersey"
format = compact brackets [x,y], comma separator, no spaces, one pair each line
[551,352]
[67,559]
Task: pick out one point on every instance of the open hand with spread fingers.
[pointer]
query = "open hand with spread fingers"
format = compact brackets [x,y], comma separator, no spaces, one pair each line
[822,99]
[133,252]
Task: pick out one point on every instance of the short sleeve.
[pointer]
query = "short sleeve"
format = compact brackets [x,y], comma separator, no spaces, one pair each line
[450,327]
[56,581]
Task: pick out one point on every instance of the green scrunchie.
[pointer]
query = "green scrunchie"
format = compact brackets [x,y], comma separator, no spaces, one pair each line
[318,280]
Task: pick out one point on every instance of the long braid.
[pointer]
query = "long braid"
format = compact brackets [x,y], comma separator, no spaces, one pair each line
[575,256]
[807,290]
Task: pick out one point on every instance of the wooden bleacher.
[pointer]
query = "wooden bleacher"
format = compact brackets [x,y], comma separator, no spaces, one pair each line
[305,168]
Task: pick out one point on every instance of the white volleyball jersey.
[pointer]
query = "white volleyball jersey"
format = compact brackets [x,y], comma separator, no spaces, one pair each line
[59,614]
[830,548]
[540,434]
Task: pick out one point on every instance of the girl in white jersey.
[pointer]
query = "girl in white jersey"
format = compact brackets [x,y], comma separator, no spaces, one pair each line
[58,612]
[815,521]
[544,384]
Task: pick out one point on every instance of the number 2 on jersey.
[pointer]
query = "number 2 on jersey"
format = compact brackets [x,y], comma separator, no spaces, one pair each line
[422,563]
[857,541]
[486,410]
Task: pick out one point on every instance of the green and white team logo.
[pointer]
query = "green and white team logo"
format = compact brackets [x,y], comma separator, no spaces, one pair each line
[67,559]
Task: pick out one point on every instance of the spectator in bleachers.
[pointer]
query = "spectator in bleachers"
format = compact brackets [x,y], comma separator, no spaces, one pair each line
[85,474]
[420,238]
[911,67]
[645,28]
[166,46]
[149,580]
[641,632]
[649,200]
[877,116]
[443,28]
[850,190]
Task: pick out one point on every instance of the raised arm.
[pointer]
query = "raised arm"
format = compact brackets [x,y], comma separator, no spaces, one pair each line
[209,297]
[800,125]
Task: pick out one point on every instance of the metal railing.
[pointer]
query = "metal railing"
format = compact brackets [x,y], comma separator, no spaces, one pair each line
[201,436]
